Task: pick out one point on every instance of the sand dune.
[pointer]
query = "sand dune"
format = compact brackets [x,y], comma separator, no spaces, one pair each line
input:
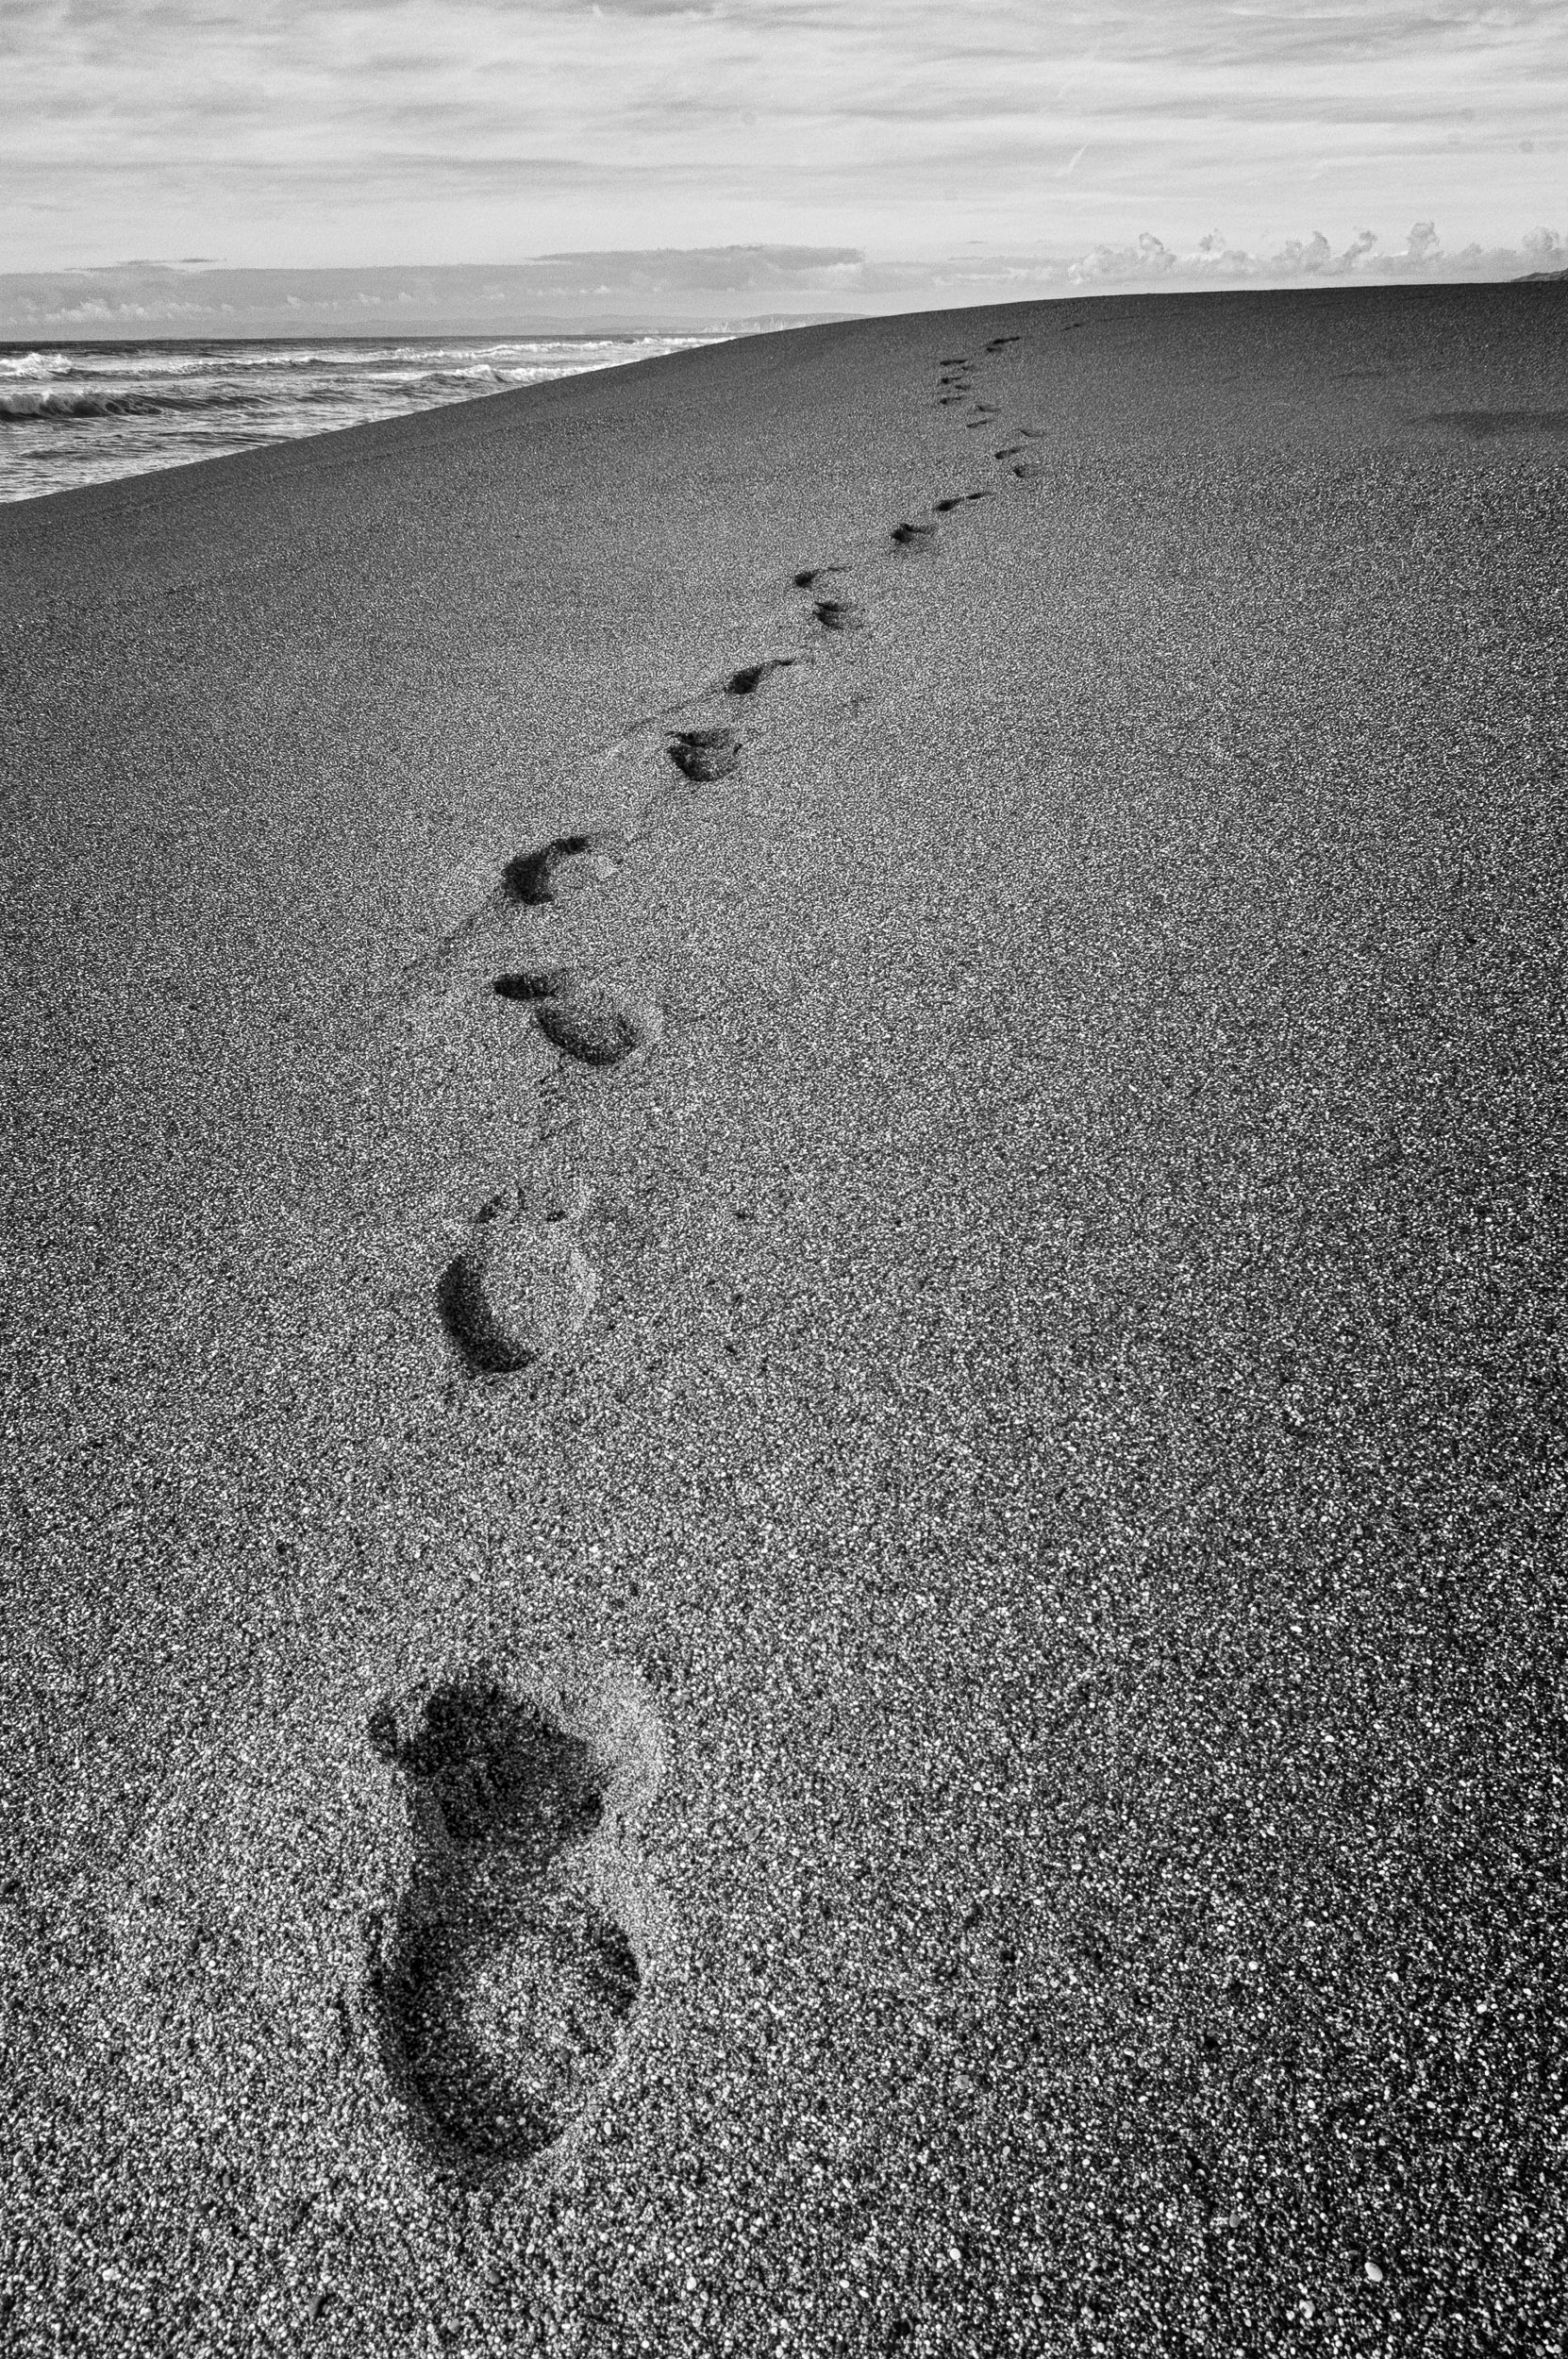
[783,1383]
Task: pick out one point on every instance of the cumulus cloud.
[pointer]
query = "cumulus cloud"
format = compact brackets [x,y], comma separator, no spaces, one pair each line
[1212,260]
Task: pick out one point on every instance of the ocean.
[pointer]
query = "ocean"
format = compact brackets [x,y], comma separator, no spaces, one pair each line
[91,413]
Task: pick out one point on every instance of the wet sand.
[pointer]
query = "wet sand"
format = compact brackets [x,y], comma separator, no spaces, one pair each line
[837,1628]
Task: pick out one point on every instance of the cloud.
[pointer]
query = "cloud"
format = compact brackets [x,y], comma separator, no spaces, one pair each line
[727,270]
[1148,264]
[362,130]
[654,285]
[709,286]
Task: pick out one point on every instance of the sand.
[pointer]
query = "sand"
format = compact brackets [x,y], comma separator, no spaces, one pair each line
[956,1745]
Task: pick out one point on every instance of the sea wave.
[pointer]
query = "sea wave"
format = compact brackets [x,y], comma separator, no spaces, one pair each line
[164,361]
[428,377]
[107,401]
[34,364]
[91,413]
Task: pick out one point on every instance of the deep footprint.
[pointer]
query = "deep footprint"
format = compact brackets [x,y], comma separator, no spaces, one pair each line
[959,499]
[839,614]
[705,755]
[503,1991]
[519,1291]
[595,1029]
[537,982]
[914,536]
[747,682]
[534,878]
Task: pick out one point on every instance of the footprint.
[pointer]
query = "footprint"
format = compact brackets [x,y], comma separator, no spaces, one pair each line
[813,574]
[1030,472]
[750,677]
[537,982]
[997,343]
[959,499]
[956,360]
[914,536]
[583,1020]
[505,1982]
[535,878]
[839,614]
[596,1028]
[705,755]
[520,1290]
[1010,451]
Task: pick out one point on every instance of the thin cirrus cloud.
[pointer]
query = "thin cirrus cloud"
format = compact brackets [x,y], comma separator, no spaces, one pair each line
[300,133]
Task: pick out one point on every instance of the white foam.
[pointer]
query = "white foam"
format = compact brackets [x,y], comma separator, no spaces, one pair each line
[34,364]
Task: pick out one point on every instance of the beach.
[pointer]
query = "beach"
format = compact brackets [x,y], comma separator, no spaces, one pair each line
[838,1626]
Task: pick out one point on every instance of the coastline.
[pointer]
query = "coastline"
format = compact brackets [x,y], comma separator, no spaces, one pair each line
[1058,1471]
[97,412]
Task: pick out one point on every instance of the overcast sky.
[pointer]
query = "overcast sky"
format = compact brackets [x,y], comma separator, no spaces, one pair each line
[293,133]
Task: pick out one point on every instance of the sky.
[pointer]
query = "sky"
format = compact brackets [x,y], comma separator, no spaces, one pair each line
[897,148]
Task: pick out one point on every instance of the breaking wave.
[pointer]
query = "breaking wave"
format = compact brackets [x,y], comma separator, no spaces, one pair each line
[107,401]
[30,364]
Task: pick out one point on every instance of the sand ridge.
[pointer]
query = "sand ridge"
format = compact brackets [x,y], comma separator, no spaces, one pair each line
[966,1760]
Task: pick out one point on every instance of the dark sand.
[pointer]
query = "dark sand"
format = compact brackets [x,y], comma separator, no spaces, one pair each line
[1035,1534]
